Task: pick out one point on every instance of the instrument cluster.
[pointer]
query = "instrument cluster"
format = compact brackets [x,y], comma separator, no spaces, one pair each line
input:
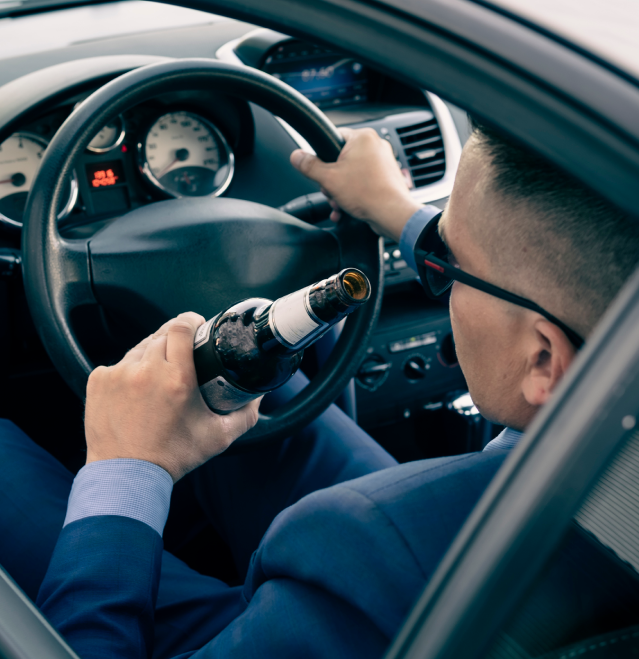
[147,154]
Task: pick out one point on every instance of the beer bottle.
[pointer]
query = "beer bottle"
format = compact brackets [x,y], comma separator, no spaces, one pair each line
[256,345]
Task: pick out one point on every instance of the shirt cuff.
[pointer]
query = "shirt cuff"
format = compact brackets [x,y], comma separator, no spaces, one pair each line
[128,488]
[412,231]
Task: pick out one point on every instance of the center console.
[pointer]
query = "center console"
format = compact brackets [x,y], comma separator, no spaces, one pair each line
[411,362]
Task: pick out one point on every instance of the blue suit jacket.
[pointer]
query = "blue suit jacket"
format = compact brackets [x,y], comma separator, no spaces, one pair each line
[334,576]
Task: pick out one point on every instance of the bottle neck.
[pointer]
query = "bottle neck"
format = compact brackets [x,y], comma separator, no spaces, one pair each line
[299,319]
[329,300]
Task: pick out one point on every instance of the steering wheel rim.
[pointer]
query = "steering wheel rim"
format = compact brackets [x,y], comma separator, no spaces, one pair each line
[57,271]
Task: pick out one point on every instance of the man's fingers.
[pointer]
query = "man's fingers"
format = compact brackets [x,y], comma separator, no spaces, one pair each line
[156,350]
[137,352]
[308,164]
[242,420]
[346,133]
[189,316]
[180,337]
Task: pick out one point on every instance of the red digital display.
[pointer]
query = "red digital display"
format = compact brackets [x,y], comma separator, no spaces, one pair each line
[105,174]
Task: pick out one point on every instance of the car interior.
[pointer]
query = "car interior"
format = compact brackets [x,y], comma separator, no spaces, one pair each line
[403,384]
[408,392]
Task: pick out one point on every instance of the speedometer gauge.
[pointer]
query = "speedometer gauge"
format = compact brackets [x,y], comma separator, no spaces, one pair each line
[184,155]
[20,157]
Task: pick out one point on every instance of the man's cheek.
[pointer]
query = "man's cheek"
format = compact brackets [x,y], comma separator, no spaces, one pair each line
[457,324]
[466,333]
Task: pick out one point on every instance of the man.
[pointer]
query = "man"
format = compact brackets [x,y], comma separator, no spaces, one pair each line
[334,540]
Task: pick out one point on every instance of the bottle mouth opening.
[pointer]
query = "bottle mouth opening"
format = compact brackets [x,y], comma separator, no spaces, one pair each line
[356,285]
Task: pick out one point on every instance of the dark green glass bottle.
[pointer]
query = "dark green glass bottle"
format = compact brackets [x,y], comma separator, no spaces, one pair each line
[256,345]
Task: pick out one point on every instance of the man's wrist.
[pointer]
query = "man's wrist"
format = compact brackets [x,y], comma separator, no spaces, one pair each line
[138,454]
[413,230]
[392,219]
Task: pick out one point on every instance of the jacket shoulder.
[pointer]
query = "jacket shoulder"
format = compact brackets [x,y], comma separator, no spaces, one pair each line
[375,541]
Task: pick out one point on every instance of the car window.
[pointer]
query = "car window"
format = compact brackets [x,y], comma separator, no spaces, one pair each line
[607,29]
[588,594]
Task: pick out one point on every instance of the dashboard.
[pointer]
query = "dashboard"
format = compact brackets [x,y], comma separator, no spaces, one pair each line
[191,144]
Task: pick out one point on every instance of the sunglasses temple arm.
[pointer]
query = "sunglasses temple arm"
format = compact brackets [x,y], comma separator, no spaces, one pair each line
[496,291]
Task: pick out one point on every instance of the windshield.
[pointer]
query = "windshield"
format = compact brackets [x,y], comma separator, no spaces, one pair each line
[35,32]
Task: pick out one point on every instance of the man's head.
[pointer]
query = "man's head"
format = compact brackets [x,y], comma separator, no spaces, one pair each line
[519,222]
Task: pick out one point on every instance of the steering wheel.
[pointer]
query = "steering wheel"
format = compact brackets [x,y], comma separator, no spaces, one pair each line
[198,254]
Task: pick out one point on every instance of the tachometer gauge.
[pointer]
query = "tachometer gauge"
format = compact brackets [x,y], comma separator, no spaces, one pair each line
[184,155]
[20,157]
[111,136]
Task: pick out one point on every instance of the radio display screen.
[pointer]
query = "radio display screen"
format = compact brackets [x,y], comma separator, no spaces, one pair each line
[327,80]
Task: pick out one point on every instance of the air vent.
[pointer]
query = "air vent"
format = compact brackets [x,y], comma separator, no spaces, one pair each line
[424,150]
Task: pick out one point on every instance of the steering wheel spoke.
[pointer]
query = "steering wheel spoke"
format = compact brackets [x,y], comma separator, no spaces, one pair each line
[72,271]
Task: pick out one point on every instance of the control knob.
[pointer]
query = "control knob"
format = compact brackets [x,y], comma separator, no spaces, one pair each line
[416,368]
[373,372]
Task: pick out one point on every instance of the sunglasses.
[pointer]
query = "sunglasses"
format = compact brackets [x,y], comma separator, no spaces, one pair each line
[437,276]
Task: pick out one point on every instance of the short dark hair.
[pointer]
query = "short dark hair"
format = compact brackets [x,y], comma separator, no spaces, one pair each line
[581,247]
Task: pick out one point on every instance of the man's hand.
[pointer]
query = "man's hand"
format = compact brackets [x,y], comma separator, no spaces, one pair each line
[149,407]
[365,182]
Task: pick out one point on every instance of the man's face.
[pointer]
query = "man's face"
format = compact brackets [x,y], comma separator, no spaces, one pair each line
[487,330]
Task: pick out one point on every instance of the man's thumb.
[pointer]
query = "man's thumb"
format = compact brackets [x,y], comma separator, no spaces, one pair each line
[306,163]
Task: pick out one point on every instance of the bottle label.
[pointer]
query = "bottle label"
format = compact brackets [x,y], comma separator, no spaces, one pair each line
[291,319]
[203,332]
[223,397]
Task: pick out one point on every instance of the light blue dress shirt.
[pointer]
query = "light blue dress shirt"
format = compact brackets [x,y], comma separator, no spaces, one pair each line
[506,440]
[141,490]
[128,488]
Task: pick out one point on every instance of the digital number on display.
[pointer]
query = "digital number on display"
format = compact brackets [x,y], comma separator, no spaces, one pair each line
[105,174]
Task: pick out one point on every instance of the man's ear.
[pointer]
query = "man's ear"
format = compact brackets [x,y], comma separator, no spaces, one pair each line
[550,353]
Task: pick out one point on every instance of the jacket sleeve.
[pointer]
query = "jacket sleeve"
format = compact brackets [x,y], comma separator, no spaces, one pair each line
[101,587]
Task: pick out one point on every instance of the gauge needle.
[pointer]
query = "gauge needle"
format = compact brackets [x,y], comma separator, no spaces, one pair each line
[180,156]
[17,180]
[166,169]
